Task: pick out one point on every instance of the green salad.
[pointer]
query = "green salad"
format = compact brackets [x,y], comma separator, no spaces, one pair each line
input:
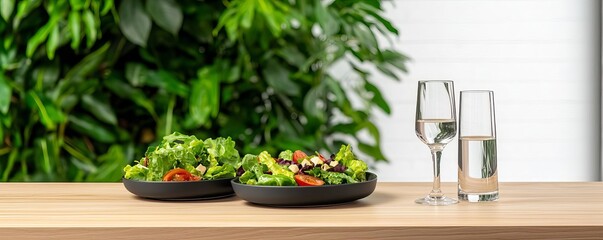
[181,157]
[299,169]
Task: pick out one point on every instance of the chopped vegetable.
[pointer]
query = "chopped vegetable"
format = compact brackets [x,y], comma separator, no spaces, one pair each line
[209,159]
[303,170]
[307,180]
[179,174]
[299,155]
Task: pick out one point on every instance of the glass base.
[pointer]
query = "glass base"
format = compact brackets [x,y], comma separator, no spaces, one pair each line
[478,197]
[436,201]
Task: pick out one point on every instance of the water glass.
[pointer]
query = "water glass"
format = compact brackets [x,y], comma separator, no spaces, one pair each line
[435,126]
[477,172]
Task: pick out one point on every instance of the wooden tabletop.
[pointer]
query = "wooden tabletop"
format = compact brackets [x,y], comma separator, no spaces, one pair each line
[108,211]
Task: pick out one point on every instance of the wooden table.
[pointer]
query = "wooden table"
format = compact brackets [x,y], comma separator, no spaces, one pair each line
[108,211]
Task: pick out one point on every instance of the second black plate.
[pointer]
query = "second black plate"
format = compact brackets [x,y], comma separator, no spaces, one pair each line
[305,196]
[194,190]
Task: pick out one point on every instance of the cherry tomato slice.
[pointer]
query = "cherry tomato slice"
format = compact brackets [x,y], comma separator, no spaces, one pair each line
[322,158]
[307,180]
[179,174]
[298,156]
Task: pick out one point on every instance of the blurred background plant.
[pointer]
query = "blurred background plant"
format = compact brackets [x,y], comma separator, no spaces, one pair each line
[87,85]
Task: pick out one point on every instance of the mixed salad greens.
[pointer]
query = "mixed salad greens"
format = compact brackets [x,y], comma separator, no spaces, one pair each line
[297,168]
[185,158]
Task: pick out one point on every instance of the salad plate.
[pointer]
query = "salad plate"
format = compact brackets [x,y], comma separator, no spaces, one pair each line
[297,196]
[183,167]
[190,190]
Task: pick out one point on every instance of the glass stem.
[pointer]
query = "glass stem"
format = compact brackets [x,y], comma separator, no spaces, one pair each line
[436,154]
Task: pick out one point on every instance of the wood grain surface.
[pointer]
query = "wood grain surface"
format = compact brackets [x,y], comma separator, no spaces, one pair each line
[109,211]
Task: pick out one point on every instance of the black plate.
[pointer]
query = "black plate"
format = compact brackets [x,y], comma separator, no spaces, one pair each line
[305,196]
[194,190]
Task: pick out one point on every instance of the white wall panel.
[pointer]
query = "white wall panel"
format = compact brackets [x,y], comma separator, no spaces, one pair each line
[540,57]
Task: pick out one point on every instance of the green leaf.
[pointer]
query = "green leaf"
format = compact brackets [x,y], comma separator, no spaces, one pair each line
[6,120]
[326,20]
[111,168]
[6,8]
[6,93]
[365,36]
[228,20]
[385,70]
[277,77]
[107,6]
[50,115]
[38,38]
[46,75]
[377,98]
[247,19]
[372,130]
[89,127]
[229,72]
[167,81]
[374,12]
[53,42]
[74,24]
[90,28]
[347,128]
[126,91]
[89,64]
[23,9]
[314,103]
[77,4]
[100,109]
[86,166]
[135,23]
[136,73]
[9,167]
[374,151]
[292,55]
[166,14]
[396,59]
[43,155]
[205,96]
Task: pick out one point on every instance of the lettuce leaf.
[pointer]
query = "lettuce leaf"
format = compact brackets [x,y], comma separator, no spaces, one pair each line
[275,180]
[355,168]
[136,172]
[217,172]
[286,155]
[222,151]
[264,170]
[256,166]
[331,178]
[249,161]
[274,167]
[345,155]
[248,178]
[177,150]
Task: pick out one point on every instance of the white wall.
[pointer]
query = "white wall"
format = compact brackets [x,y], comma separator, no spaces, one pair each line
[541,58]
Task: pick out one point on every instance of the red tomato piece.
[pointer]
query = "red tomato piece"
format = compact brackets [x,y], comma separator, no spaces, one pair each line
[298,156]
[307,180]
[179,174]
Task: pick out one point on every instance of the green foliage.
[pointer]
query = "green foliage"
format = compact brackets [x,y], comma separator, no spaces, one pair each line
[87,85]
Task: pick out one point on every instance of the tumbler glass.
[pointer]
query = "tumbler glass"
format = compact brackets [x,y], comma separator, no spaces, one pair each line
[477,172]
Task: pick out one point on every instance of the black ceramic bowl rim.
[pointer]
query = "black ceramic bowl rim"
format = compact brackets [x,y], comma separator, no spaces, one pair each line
[305,196]
[176,182]
[170,190]
[369,176]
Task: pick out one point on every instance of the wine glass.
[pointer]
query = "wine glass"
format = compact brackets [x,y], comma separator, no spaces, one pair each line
[436,126]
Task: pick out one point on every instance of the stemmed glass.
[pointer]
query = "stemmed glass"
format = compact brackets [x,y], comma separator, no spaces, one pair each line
[436,126]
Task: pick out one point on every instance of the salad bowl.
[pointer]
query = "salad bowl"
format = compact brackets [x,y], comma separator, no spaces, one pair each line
[298,196]
[189,190]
